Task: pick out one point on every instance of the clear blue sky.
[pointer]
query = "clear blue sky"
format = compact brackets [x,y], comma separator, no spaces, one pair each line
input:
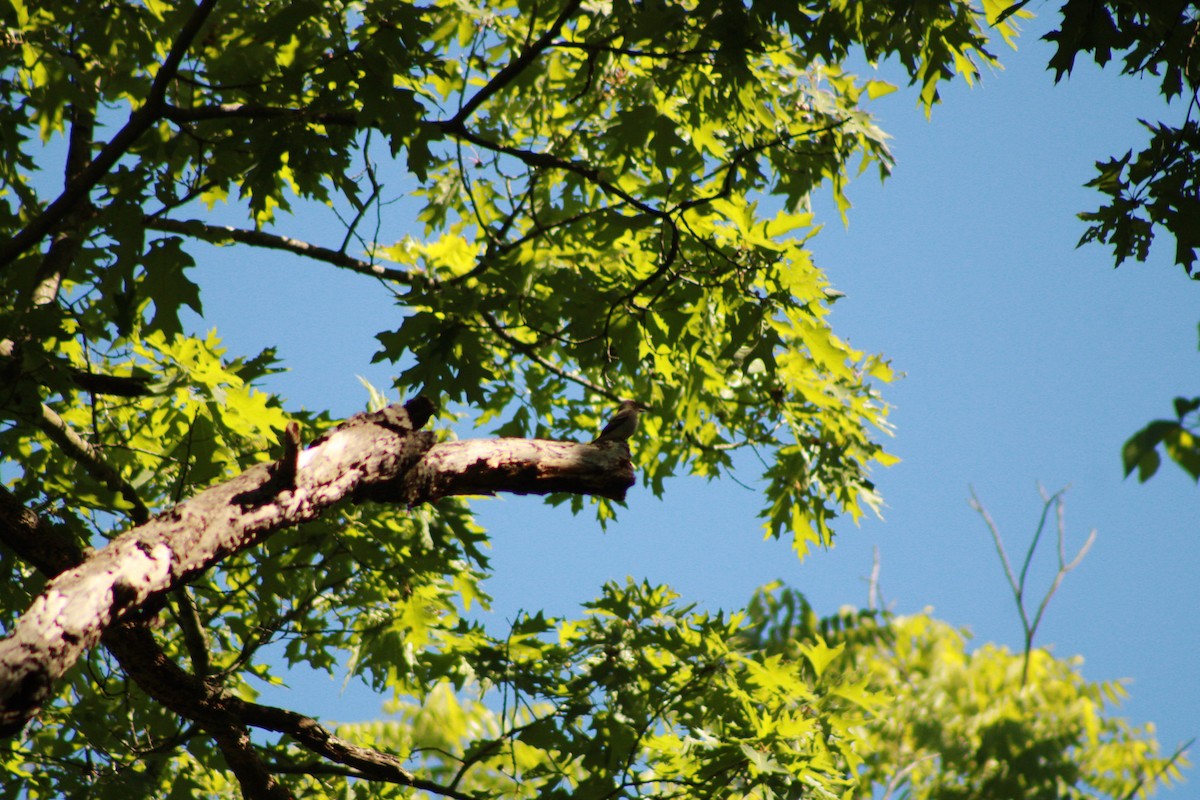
[1025,360]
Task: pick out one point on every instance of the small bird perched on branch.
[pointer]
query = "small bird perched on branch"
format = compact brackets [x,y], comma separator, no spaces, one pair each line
[623,424]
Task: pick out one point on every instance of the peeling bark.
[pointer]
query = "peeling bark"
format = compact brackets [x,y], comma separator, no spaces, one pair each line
[379,457]
[519,466]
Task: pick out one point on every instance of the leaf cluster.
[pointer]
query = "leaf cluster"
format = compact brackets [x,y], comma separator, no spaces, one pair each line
[606,706]
[1158,186]
[952,723]
[1177,437]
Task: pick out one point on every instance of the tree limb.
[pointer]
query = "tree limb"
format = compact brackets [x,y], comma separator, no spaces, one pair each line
[224,717]
[47,547]
[379,456]
[520,466]
[514,68]
[52,551]
[218,234]
[134,647]
[311,735]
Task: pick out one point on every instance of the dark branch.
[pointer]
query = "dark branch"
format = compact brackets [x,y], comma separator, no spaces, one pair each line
[218,234]
[533,158]
[531,351]
[255,111]
[83,453]
[139,122]
[312,736]
[516,66]
[47,547]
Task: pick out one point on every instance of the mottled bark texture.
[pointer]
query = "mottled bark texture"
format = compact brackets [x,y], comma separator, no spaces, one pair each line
[381,456]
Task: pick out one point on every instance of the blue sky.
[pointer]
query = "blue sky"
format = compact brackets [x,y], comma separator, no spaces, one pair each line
[1024,360]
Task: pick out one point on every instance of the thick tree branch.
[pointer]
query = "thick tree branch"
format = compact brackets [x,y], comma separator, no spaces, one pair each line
[48,548]
[378,456]
[52,551]
[254,778]
[134,647]
[203,701]
[68,241]
[138,123]
[311,735]
[226,718]
[520,466]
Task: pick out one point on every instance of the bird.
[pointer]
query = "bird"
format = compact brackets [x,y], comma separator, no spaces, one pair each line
[623,423]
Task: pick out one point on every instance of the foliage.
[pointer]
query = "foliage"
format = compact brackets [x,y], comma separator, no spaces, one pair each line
[1158,186]
[607,706]
[955,724]
[591,179]
[611,199]
[1176,436]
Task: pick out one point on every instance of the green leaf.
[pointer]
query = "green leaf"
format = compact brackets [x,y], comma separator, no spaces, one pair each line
[166,284]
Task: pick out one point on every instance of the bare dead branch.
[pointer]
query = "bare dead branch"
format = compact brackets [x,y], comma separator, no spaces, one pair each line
[1029,626]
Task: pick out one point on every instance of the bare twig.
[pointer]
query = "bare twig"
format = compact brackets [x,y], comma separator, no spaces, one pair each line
[1017,584]
[873,590]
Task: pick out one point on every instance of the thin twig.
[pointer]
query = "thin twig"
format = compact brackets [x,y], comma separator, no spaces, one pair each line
[1172,761]
[1030,627]
[873,590]
[223,233]
[92,461]
[530,352]
[999,542]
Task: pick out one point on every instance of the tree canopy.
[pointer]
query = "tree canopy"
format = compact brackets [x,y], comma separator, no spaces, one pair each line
[571,203]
